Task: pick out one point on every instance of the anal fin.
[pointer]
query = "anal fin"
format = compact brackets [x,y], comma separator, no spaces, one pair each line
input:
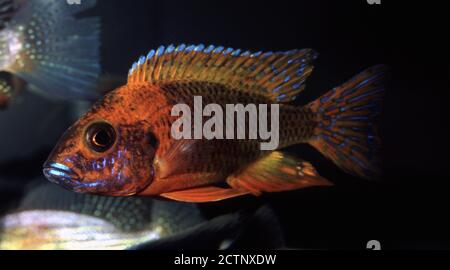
[276,172]
[203,194]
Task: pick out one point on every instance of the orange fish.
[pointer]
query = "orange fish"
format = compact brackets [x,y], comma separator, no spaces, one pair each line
[123,146]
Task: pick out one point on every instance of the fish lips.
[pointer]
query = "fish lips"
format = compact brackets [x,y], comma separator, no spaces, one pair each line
[65,177]
[62,175]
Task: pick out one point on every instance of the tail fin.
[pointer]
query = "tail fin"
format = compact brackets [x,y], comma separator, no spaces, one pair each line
[347,132]
[56,53]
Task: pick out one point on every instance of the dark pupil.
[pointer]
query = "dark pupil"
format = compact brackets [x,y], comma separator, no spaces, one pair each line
[153,140]
[102,138]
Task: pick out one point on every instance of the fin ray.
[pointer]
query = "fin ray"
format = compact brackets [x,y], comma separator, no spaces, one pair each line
[276,172]
[203,194]
[279,76]
[347,132]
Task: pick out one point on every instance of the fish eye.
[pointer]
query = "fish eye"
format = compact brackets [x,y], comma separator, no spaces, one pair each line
[100,136]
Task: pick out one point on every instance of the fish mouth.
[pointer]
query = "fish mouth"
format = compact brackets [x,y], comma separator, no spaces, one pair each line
[61,174]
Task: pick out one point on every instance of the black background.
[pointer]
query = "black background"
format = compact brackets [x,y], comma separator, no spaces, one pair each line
[408,209]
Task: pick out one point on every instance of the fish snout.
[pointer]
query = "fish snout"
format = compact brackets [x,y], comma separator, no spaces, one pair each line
[61,174]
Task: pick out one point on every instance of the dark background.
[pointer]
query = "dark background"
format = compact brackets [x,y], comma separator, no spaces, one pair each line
[407,209]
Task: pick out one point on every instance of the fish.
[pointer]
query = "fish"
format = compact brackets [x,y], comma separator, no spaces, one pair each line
[51,218]
[54,52]
[123,146]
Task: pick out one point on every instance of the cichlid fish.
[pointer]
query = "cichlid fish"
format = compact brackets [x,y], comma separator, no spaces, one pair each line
[42,43]
[50,217]
[123,145]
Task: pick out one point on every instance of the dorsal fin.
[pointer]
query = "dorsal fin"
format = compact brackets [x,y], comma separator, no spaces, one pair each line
[279,76]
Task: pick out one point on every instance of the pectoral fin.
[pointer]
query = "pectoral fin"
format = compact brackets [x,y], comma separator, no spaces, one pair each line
[276,172]
[182,155]
[203,194]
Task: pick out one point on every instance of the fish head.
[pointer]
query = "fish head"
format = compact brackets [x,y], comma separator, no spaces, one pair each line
[109,151]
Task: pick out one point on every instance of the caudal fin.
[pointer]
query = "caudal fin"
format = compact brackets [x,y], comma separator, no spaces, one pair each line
[347,132]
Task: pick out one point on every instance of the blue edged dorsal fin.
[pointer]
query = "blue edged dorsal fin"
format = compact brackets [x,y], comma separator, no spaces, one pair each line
[277,75]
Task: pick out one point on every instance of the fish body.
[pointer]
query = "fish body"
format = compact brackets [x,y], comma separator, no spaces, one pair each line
[138,154]
[42,43]
[60,230]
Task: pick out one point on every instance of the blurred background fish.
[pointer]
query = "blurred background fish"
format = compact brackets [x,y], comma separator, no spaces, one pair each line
[49,217]
[47,45]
